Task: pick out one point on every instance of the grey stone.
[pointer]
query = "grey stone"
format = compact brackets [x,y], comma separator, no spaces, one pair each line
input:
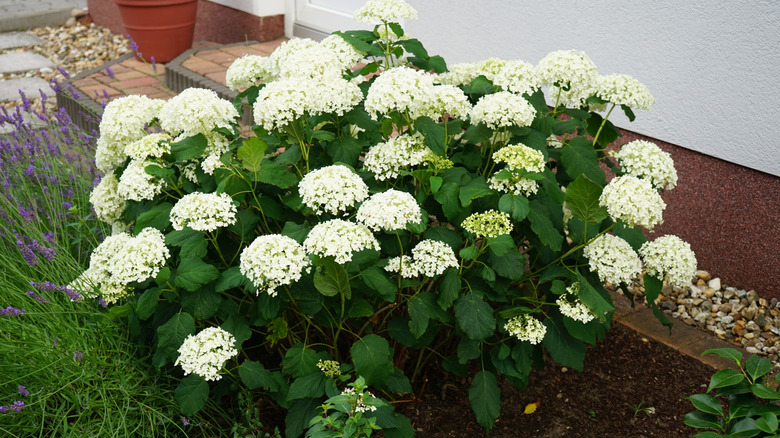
[714,283]
[18,39]
[16,62]
[9,89]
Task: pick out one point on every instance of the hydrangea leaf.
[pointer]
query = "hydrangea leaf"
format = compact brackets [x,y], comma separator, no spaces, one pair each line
[191,394]
[372,360]
[566,350]
[310,385]
[475,316]
[299,415]
[190,148]
[485,398]
[476,188]
[156,217]
[193,273]
[331,279]
[172,334]
[193,243]
[276,175]
[509,265]
[598,300]
[346,150]
[434,134]
[582,198]
[543,226]
[201,303]
[376,280]
[420,316]
[251,153]
[579,158]
[447,196]
[449,288]
[300,361]
[229,279]
[254,376]
[147,303]
[238,327]
[514,205]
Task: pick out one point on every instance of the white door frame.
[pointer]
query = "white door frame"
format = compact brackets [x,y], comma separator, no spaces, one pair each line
[306,20]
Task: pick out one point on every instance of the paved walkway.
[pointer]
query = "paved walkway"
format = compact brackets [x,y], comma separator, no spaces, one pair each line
[25,14]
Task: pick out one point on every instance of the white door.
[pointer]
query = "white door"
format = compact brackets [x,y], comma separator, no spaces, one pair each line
[317,19]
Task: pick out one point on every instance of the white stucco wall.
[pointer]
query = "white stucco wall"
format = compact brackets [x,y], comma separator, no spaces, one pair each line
[712,66]
[261,8]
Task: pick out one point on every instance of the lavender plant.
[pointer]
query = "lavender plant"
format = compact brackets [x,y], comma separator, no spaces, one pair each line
[386,213]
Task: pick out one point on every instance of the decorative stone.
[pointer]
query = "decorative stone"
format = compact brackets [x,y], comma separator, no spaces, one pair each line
[714,283]
[708,292]
[704,275]
[752,350]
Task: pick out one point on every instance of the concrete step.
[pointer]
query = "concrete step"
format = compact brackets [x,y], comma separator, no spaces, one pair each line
[9,40]
[9,88]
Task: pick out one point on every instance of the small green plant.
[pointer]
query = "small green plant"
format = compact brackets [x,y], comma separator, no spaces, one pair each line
[348,416]
[638,408]
[251,427]
[750,397]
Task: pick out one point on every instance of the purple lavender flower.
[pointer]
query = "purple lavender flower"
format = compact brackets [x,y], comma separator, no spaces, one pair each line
[17,406]
[63,72]
[37,297]
[22,390]
[110,73]
[185,421]
[154,64]
[54,341]
[12,311]
[51,287]
[78,355]
[102,303]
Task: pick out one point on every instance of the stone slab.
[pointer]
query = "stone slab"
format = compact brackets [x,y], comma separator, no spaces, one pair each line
[29,120]
[24,61]
[9,88]
[18,39]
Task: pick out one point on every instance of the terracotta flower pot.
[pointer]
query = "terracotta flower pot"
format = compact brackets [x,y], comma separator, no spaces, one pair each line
[161,28]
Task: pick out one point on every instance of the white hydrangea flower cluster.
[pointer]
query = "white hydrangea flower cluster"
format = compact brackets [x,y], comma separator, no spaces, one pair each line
[339,239]
[137,185]
[196,111]
[359,402]
[206,353]
[526,328]
[313,62]
[403,265]
[385,160]
[285,100]
[286,49]
[248,70]
[432,257]
[124,121]
[669,257]
[122,259]
[503,109]
[465,72]
[345,52]
[518,77]
[332,189]
[515,184]
[273,260]
[401,89]
[613,259]
[554,142]
[624,90]
[645,160]
[105,199]
[569,68]
[570,305]
[390,210]
[520,157]
[491,223]
[330,368]
[633,201]
[150,146]
[444,100]
[384,11]
[203,211]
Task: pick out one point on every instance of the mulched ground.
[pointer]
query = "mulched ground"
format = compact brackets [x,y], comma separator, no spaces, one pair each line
[622,374]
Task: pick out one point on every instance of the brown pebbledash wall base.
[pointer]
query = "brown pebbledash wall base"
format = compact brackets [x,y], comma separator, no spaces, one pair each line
[729,214]
[215,22]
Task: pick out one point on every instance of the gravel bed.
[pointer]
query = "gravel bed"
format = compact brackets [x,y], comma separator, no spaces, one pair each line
[72,49]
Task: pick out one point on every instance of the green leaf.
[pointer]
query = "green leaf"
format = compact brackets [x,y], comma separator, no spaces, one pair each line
[468,349]
[245,224]
[476,188]
[599,301]
[299,361]
[201,303]
[193,243]
[762,391]
[172,334]
[478,133]
[158,217]
[297,232]
[310,385]
[653,288]
[238,327]
[419,314]
[485,398]
[399,383]
[255,376]
[376,279]
[726,353]
[745,427]
[707,434]
[449,288]
[565,349]
[193,273]
[345,150]
[510,265]
[543,226]
[191,394]
[706,403]
[469,253]
[251,153]
[360,308]
[514,205]
[331,279]
[501,244]
[435,182]
[299,415]
[582,198]
[725,378]
[447,196]
[475,316]
[757,367]
[634,236]
[229,279]
[189,148]
[372,360]
[276,175]
[700,420]
[147,303]
[158,172]
[579,158]
[768,422]
[434,134]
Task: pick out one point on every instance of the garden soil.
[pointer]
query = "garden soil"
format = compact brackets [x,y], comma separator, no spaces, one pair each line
[630,387]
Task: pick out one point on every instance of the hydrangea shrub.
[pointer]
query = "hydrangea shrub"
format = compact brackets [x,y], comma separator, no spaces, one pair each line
[385,214]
